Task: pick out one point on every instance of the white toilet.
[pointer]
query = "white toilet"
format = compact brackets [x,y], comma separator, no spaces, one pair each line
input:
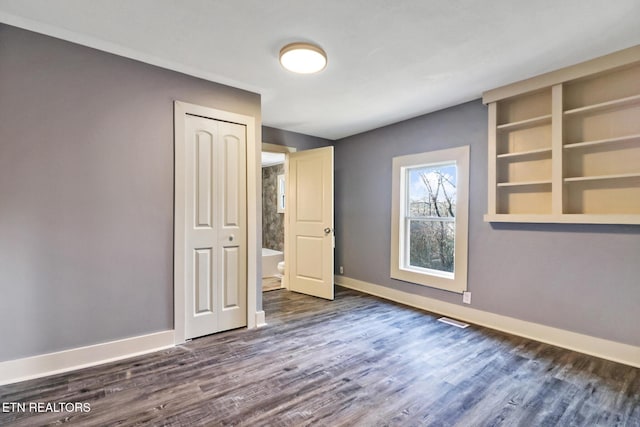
[281,268]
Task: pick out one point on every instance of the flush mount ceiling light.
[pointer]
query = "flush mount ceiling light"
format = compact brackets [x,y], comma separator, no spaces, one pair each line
[303,58]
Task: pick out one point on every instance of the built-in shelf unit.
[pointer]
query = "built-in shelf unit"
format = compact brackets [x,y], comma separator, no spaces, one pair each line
[565,146]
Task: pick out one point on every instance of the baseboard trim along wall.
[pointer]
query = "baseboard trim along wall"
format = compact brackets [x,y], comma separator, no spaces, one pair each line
[13,371]
[260,319]
[605,349]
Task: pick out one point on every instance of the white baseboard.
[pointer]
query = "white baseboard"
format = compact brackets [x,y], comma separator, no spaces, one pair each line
[605,349]
[13,371]
[260,319]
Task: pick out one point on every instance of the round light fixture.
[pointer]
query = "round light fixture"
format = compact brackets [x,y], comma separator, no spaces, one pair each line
[303,58]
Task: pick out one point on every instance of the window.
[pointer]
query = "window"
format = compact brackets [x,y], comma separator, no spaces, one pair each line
[281,194]
[429,218]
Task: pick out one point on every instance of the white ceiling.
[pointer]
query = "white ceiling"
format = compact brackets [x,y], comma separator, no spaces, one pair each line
[389,60]
[271,159]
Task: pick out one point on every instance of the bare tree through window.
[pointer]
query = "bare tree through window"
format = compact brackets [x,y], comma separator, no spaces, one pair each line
[431,215]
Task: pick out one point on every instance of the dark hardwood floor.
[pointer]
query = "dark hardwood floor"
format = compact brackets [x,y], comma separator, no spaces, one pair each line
[357,361]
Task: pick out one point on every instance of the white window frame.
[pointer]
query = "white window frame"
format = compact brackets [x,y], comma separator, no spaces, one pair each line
[281,193]
[456,281]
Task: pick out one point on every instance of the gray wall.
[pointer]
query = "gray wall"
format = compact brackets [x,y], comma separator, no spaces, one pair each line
[582,278]
[86,192]
[293,139]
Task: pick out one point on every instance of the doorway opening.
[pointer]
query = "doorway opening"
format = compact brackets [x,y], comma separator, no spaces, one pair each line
[273,219]
[305,201]
[274,173]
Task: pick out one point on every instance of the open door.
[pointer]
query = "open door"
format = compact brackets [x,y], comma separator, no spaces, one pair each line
[310,210]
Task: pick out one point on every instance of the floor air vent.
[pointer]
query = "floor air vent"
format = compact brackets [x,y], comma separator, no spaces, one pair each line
[452,322]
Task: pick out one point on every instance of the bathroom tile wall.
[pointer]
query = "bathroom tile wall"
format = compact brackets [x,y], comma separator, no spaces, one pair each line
[272,221]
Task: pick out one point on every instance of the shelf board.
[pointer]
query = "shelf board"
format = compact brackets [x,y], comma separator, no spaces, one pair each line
[603,141]
[565,218]
[616,103]
[524,153]
[523,183]
[602,177]
[522,124]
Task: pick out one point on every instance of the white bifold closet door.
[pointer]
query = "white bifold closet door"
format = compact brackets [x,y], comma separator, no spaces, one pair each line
[216,226]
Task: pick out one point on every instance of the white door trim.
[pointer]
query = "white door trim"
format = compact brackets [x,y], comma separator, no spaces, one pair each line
[254,253]
[274,148]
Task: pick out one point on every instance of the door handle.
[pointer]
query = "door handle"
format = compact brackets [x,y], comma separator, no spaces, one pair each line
[327,230]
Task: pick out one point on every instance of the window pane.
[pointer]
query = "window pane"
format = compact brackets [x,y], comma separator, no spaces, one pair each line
[431,244]
[429,222]
[432,191]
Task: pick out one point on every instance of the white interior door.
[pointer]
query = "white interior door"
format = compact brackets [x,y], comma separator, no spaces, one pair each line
[216,226]
[310,210]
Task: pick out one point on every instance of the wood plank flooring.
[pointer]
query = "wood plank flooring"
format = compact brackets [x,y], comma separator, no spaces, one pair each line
[356,361]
